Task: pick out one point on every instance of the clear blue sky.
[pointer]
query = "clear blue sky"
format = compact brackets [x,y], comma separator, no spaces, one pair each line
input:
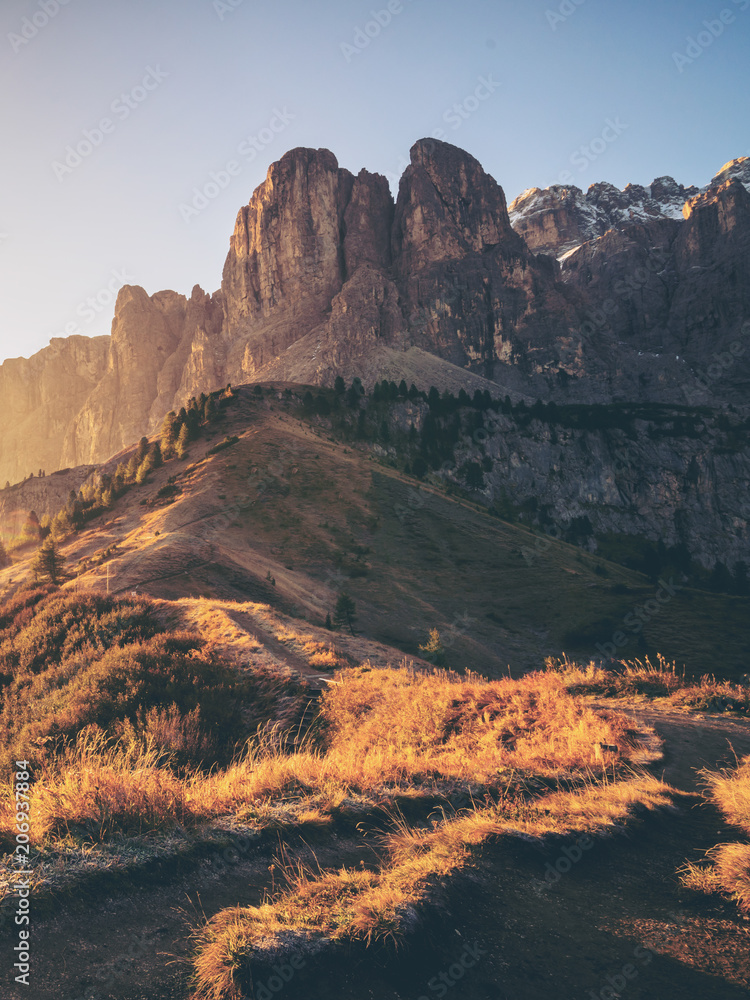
[218,74]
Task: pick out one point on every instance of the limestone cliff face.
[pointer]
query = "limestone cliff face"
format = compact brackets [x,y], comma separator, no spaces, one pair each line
[448,208]
[472,291]
[144,376]
[695,493]
[326,274]
[322,254]
[45,495]
[677,290]
[41,399]
[285,261]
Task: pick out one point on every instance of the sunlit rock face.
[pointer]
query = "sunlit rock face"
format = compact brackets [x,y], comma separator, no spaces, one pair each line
[327,273]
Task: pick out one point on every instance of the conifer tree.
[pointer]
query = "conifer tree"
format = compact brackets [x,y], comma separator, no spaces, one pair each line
[433,650]
[32,529]
[48,562]
[345,613]
[210,410]
[168,435]
[182,441]
[61,526]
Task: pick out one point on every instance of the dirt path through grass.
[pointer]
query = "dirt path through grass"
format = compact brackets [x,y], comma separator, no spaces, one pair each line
[277,648]
[617,919]
[133,945]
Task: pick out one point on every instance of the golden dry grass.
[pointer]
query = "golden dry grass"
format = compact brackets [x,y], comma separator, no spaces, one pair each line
[727,867]
[385,733]
[411,726]
[629,678]
[99,790]
[357,904]
[730,791]
[515,745]
[408,730]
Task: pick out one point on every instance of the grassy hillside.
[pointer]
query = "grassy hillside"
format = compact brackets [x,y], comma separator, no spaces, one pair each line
[290,516]
[180,694]
[158,731]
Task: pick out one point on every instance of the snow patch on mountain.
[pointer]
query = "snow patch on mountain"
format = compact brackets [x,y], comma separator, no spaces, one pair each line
[559,218]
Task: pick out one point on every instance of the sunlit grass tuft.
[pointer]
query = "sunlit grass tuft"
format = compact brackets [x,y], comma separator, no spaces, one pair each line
[628,678]
[383,906]
[727,866]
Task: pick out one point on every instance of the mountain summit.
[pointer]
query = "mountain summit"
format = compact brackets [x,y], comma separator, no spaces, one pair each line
[327,275]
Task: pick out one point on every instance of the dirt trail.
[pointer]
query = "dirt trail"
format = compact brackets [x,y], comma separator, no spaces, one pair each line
[616,923]
[133,945]
[276,648]
[620,906]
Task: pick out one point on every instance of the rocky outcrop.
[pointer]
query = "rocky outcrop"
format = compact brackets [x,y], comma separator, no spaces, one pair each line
[448,208]
[44,495]
[326,273]
[42,397]
[558,219]
[677,292]
[151,344]
[694,495]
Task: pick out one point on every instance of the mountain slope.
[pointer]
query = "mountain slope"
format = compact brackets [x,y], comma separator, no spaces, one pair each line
[289,516]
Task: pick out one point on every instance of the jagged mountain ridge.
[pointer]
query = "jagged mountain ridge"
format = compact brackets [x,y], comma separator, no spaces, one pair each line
[326,274]
[558,219]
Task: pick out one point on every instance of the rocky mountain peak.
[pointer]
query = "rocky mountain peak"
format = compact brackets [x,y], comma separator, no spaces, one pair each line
[326,275]
[739,168]
[448,206]
[666,189]
[557,219]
